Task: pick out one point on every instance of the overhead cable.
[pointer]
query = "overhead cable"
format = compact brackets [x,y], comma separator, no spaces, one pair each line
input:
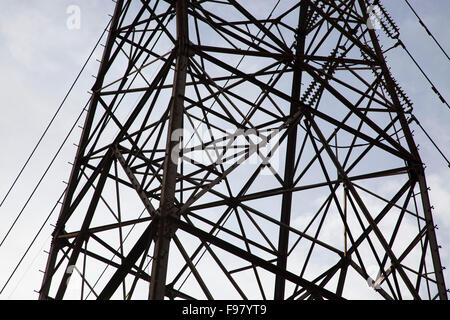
[426,29]
[53,118]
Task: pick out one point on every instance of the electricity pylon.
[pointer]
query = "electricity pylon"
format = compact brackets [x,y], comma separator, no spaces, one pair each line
[246,150]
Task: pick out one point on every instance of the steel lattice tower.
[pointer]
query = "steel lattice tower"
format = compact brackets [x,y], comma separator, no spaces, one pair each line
[296,175]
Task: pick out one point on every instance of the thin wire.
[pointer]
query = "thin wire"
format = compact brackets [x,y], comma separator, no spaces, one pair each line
[25,273]
[426,29]
[428,136]
[32,242]
[54,117]
[44,174]
[433,87]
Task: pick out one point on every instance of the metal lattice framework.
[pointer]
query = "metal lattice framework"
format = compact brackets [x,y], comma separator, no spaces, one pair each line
[296,175]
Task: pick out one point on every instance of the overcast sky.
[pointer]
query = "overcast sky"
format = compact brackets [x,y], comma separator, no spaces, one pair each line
[40,56]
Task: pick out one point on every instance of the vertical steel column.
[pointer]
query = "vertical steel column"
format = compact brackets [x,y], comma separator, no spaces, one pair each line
[166,229]
[286,205]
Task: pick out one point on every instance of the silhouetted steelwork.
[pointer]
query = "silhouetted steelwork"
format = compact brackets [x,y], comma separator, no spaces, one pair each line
[337,206]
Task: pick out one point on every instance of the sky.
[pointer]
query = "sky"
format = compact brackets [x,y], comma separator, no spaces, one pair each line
[42,52]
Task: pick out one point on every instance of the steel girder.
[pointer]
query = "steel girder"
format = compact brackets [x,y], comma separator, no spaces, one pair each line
[231,151]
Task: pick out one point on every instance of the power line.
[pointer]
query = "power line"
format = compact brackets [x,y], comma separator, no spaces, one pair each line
[427,30]
[413,118]
[32,243]
[48,167]
[44,174]
[433,87]
[54,117]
